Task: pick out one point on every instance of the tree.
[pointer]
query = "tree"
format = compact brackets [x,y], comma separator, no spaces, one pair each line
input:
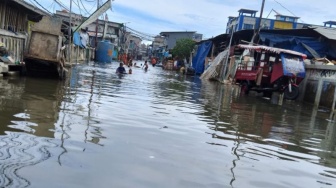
[183,47]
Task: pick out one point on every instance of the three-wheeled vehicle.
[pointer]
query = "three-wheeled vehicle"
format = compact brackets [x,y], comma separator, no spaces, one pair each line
[268,69]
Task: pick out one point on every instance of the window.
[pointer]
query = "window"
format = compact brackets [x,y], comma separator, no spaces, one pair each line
[248,26]
[282,18]
[290,19]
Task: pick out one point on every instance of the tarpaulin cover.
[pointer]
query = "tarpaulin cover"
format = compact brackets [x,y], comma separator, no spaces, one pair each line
[295,43]
[198,60]
[293,66]
[77,40]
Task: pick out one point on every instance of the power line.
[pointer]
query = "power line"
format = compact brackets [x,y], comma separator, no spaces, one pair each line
[51,5]
[287,9]
[84,6]
[62,5]
[80,10]
[141,33]
[42,7]
[141,36]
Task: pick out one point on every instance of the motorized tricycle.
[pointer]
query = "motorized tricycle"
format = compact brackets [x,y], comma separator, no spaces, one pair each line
[268,69]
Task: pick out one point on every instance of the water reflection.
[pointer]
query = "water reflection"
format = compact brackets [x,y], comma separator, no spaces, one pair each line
[20,150]
[158,129]
[77,118]
[246,119]
[30,105]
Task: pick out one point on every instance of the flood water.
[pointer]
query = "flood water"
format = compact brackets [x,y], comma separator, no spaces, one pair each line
[157,129]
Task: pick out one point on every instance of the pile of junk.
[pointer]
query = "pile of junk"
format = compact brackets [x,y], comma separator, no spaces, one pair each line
[6,61]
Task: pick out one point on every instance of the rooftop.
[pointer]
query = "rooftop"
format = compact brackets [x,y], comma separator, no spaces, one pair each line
[287,16]
[330,22]
[33,13]
[177,32]
[30,7]
[248,11]
[328,32]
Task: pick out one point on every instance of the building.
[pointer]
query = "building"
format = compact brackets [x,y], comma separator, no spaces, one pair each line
[158,46]
[330,24]
[133,46]
[107,30]
[159,41]
[247,19]
[170,37]
[143,51]
[16,17]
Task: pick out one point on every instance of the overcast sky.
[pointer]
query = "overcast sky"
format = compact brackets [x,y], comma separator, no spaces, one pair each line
[208,17]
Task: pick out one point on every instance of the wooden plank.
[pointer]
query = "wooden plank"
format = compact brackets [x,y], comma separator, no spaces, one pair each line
[6,19]
[17,29]
[3,18]
[1,11]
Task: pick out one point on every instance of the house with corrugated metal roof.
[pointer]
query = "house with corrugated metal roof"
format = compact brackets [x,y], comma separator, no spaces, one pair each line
[16,18]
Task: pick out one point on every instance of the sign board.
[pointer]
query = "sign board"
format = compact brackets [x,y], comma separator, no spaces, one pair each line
[293,65]
[95,15]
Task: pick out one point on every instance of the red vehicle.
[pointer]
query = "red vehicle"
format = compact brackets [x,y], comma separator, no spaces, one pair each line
[270,69]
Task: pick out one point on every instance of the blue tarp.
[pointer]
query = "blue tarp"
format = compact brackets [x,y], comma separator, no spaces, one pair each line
[293,66]
[115,54]
[295,43]
[198,60]
[77,40]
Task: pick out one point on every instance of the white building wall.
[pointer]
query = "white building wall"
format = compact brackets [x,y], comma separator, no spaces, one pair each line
[249,20]
[265,24]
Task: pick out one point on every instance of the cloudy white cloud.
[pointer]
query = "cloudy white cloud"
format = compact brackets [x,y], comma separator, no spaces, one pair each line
[208,17]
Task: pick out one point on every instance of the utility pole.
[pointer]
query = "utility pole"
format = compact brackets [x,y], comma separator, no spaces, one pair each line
[97,26]
[70,33]
[257,29]
[125,38]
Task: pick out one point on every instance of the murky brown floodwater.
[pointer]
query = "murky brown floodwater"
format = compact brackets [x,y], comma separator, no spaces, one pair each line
[156,129]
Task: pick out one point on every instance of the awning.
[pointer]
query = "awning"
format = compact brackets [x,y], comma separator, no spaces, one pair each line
[272,49]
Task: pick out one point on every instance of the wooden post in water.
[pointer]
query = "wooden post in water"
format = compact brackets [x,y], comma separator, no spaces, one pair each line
[70,33]
[227,56]
[332,116]
[281,98]
[318,93]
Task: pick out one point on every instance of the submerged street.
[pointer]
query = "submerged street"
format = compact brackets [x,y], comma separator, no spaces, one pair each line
[157,129]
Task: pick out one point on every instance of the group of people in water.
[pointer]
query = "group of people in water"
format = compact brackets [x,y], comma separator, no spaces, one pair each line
[127,60]
[121,69]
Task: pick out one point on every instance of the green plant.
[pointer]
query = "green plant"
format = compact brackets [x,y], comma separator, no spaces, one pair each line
[183,47]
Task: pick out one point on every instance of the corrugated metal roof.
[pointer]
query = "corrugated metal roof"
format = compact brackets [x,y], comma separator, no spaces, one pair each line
[31,7]
[272,49]
[328,32]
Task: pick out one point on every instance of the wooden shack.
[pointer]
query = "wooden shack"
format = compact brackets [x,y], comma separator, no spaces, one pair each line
[16,17]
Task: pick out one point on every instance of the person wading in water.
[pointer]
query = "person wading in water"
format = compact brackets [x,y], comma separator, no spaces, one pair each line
[121,69]
[146,66]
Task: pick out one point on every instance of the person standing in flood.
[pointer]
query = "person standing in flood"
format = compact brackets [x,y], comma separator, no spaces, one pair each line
[121,69]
